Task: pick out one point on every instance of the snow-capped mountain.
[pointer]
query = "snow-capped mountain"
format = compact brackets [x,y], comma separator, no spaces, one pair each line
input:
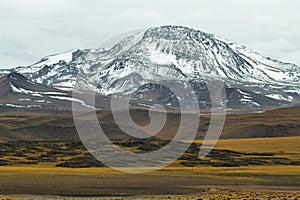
[172,53]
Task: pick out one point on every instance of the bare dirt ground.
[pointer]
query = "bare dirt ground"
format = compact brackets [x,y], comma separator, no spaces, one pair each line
[216,194]
[104,182]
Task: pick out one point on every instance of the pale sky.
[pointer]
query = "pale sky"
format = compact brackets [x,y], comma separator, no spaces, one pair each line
[32,29]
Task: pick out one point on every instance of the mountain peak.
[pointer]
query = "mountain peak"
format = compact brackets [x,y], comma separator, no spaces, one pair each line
[56,58]
[172,32]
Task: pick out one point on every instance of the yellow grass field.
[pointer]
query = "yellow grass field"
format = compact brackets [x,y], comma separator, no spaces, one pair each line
[284,146]
[46,179]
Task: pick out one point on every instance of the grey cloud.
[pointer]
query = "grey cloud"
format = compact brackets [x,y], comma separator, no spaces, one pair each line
[53,26]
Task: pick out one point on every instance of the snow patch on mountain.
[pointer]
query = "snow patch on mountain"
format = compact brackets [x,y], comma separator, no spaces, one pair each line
[20,106]
[50,60]
[73,100]
[280,97]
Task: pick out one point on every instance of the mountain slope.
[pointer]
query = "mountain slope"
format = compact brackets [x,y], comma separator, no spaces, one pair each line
[19,92]
[33,126]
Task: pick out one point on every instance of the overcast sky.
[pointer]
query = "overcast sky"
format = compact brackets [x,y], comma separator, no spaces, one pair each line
[32,29]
